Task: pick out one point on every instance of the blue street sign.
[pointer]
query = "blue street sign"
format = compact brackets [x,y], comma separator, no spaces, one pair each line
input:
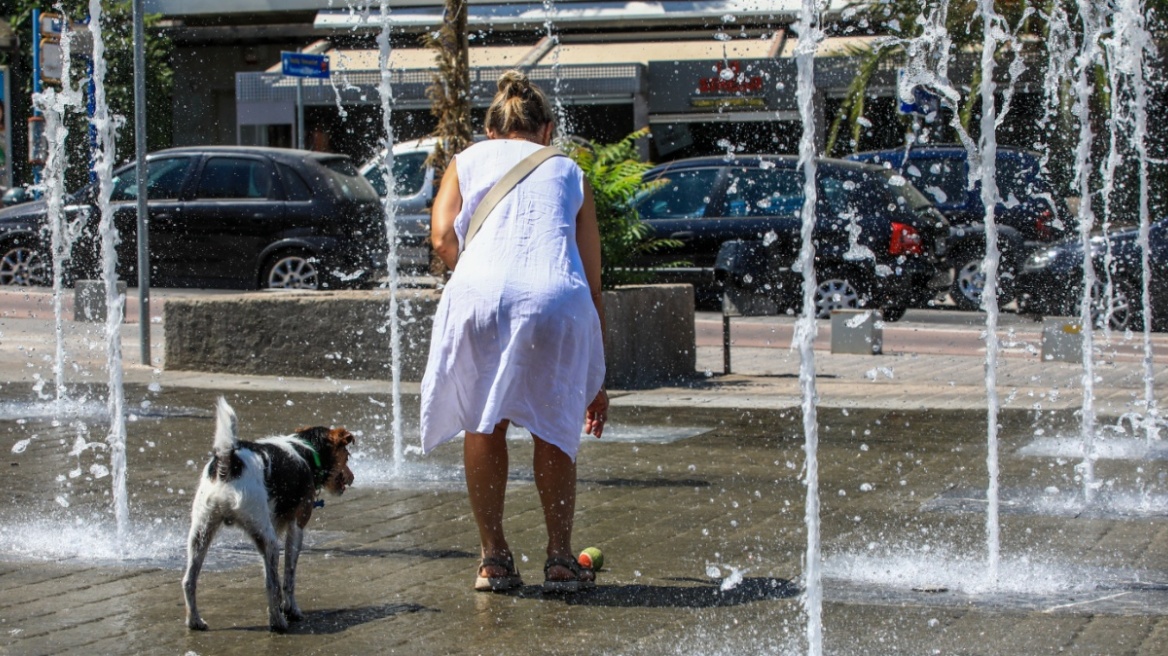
[303,64]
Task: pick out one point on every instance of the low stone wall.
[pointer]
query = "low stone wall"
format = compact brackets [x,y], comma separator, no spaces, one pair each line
[650,338]
[346,334]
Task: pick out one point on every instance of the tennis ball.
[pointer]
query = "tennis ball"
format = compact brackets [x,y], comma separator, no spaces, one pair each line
[592,558]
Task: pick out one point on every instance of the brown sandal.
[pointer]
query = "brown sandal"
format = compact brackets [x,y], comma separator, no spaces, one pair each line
[509,581]
[583,578]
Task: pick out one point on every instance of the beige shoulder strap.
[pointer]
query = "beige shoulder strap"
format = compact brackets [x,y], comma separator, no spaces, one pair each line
[505,185]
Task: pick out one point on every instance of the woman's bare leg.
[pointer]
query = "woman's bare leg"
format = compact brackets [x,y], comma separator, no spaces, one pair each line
[555,478]
[485,457]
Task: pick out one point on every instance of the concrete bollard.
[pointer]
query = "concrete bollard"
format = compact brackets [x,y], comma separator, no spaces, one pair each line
[1062,340]
[89,300]
[856,332]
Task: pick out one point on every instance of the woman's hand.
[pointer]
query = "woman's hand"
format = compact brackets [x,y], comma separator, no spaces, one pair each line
[596,416]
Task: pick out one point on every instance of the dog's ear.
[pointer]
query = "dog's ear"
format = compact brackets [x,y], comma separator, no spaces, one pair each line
[340,437]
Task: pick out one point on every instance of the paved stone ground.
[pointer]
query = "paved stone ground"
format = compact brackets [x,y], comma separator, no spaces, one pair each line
[696,499]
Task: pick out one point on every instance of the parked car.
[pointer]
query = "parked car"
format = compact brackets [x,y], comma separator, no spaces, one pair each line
[1029,216]
[877,238]
[1051,281]
[414,188]
[220,216]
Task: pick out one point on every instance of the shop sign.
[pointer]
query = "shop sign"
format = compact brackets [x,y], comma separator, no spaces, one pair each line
[709,86]
[730,86]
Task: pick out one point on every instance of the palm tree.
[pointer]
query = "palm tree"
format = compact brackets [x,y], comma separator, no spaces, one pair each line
[449,94]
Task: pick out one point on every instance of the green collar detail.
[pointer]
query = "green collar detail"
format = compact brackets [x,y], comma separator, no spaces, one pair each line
[315,455]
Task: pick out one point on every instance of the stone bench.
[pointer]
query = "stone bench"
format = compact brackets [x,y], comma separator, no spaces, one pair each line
[346,334]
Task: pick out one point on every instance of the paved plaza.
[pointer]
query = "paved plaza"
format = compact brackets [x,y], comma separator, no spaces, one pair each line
[696,497]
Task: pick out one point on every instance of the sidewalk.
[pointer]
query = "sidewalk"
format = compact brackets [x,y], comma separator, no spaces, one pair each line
[925,365]
[695,496]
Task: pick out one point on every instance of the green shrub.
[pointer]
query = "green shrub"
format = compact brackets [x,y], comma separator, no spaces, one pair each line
[617,178]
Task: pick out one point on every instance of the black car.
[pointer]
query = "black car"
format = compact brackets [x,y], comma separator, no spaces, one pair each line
[738,220]
[1051,281]
[1030,215]
[222,216]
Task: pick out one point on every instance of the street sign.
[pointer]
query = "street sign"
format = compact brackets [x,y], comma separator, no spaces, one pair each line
[51,24]
[51,60]
[38,142]
[303,64]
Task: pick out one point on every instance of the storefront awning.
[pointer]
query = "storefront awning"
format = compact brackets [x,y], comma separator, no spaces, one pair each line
[598,84]
[409,59]
[584,14]
[643,52]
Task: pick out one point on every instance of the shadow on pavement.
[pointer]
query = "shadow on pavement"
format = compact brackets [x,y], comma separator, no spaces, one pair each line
[646,483]
[432,554]
[339,620]
[708,595]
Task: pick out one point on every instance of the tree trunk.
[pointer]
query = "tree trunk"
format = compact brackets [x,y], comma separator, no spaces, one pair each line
[449,94]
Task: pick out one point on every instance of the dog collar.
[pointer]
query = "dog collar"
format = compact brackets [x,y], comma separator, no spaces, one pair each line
[315,459]
[315,455]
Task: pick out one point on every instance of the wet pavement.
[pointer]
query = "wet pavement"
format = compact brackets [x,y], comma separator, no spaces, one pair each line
[695,497]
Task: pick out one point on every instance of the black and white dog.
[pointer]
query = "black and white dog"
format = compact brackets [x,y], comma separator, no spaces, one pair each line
[267,488]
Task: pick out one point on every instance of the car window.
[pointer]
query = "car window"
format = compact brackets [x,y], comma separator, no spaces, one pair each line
[295,187]
[679,195]
[941,179]
[1017,178]
[164,178]
[344,178]
[376,177]
[905,191]
[235,177]
[764,192]
[850,193]
[409,174]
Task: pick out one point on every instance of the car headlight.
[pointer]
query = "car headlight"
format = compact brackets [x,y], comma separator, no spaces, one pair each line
[1040,259]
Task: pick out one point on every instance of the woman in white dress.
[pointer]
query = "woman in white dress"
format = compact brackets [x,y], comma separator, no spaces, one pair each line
[518,333]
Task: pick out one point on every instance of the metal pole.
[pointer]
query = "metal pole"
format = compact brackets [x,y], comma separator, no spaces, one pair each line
[300,113]
[140,173]
[725,341]
[36,82]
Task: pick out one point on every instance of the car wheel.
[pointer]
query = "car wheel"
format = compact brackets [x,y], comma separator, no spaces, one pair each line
[24,265]
[291,270]
[836,293]
[969,283]
[1124,313]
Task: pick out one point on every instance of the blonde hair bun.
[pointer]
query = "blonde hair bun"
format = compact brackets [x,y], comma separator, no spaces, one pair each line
[520,106]
[514,83]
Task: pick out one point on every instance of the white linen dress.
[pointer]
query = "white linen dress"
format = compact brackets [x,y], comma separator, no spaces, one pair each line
[516,335]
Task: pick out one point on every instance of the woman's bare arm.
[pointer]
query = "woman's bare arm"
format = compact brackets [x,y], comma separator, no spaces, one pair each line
[588,241]
[447,205]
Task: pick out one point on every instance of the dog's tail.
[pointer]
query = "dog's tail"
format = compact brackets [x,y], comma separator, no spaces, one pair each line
[226,433]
